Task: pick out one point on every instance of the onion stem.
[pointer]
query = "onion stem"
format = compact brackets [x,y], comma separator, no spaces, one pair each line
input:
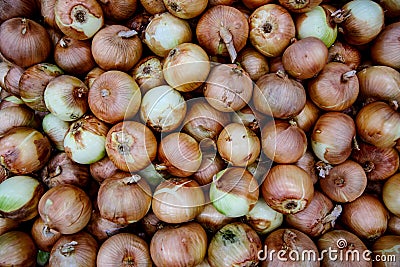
[68,248]
[227,37]
[127,34]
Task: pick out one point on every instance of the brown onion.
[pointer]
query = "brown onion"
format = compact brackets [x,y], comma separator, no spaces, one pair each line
[148,73]
[151,224]
[277,95]
[7,225]
[74,56]
[386,251]
[62,170]
[55,129]
[299,6]
[17,249]
[79,249]
[116,47]
[178,200]
[124,249]
[153,6]
[118,10]
[20,8]
[186,9]
[190,238]
[43,236]
[92,76]
[65,208]
[394,225]
[332,137]
[308,116]
[103,169]
[344,53]
[211,164]
[378,163]
[253,62]
[344,182]
[287,189]
[11,80]
[308,163]
[101,228]
[271,29]
[385,50]
[283,141]
[390,194]
[16,116]
[366,217]
[24,42]
[222,30]
[211,219]
[305,58]
[134,196]
[378,124]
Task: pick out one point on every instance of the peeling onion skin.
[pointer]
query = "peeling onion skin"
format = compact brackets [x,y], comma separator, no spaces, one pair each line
[299,6]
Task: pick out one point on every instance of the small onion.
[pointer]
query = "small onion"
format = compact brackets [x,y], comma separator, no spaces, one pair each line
[43,236]
[55,130]
[148,73]
[124,249]
[366,217]
[153,6]
[394,225]
[235,244]
[118,10]
[4,69]
[65,208]
[287,189]
[262,218]
[17,249]
[238,145]
[24,150]
[178,200]
[271,29]
[24,42]
[249,117]
[391,8]
[101,228]
[165,31]
[79,19]
[332,137]
[19,197]
[305,58]
[308,116]
[190,238]
[79,249]
[102,169]
[253,62]
[344,53]
[11,80]
[134,196]
[186,67]
[390,194]
[211,164]
[66,97]
[151,224]
[211,219]
[299,6]
[234,192]
[386,248]
[116,47]
[186,9]
[62,170]
[163,108]
[385,49]
[33,82]
[16,116]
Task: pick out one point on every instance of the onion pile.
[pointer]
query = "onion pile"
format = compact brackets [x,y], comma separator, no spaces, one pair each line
[199,133]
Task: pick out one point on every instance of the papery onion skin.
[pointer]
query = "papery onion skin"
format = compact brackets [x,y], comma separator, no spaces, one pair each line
[16,116]
[234,244]
[20,8]
[299,6]
[124,249]
[253,62]
[390,194]
[305,58]
[186,9]
[43,236]
[386,248]
[55,129]
[134,196]
[344,53]
[119,10]
[24,150]
[92,75]
[271,29]
[101,228]
[17,249]
[65,208]
[102,169]
[79,249]
[308,163]
[211,219]
[190,238]
[148,73]
[391,8]
[385,49]
[11,80]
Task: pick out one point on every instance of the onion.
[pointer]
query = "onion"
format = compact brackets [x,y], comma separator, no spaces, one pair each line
[151,224]
[124,249]
[287,189]
[299,6]
[101,228]
[335,88]
[148,73]
[77,19]
[163,108]
[346,244]
[102,169]
[186,9]
[262,218]
[85,140]
[366,217]
[114,96]
[386,250]
[134,194]
[11,80]
[344,53]
[55,129]
[390,194]
[235,244]
[253,4]
[291,245]
[222,31]
[308,163]
[20,8]
[153,6]
[118,10]
[277,95]
[7,225]
[378,163]
[74,56]
[16,116]
[92,76]
[283,141]
[234,192]
[164,32]
[166,242]
[211,219]
[332,137]
[47,12]
[24,42]
[305,58]
[62,170]
[391,8]
[17,249]
[228,88]
[385,49]
[153,176]
[249,117]
[211,164]
[43,236]
[24,150]
[116,47]
[19,197]
[308,116]
[271,29]
[74,250]
[65,208]
[66,97]
[186,67]
[33,82]
[394,225]
[238,145]
[253,62]
[178,200]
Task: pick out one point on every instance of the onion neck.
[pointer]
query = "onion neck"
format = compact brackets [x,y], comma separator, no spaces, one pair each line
[127,34]
[133,179]
[24,28]
[64,42]
[227,38]
[323,168]
[368,166]
[333,216]
[340,15]
[68,248]
[348,75]
[289,240]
